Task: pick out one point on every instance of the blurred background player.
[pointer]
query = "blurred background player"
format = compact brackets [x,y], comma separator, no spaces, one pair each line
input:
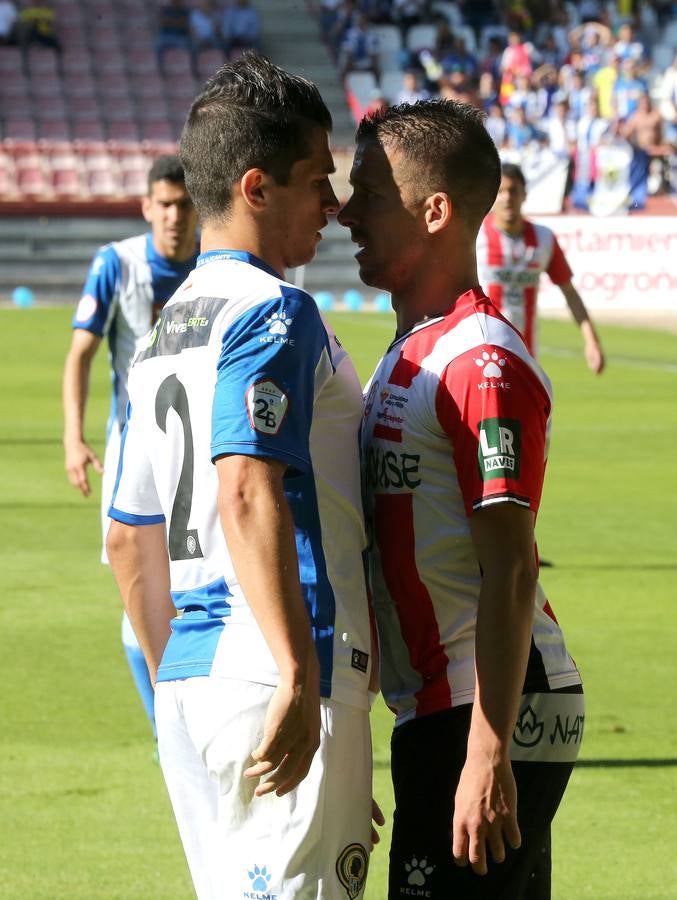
[512,252]
[240,456]
[128,284]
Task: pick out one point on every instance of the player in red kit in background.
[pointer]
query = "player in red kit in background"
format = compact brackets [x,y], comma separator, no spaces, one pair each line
[512,252]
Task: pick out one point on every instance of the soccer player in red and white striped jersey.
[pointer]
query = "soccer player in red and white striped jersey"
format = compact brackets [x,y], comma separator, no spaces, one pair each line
[513,252]
[489,703]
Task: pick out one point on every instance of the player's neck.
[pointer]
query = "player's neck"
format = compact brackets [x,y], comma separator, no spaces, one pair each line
[245,240]
[513,229]
[434,292]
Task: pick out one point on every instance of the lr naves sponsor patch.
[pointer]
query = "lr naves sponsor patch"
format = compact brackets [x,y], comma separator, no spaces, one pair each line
[499,449]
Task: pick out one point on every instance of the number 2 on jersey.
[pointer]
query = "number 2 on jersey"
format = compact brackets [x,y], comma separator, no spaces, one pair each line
[183,541]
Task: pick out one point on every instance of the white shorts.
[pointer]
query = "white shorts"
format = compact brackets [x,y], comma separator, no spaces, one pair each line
[311,844]
[111,459]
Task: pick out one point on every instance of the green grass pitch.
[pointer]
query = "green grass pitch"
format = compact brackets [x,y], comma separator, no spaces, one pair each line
[83,808]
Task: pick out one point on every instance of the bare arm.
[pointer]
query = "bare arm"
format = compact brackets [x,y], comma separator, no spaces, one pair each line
[75,390]
[486,798]
[138,558]
[592,348]
[259,530]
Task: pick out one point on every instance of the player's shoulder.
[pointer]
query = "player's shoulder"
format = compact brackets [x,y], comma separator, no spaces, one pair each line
[132,249]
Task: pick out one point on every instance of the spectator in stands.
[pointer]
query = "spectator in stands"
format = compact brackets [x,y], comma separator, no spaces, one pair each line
[669,91]
[406,13]
[627,90]
[496,125]
[603,82]
[560,130]
[359,50]
[488,91]
[590,10]
[545,84]
[377,11]
[478,13]
[411,91]
[240,27]
[627,47]
[516,60]
[591,130]
[525,97]
[203,27]
[342,21]
[459,59]
[173,31]
[579,94]
[491,61]
[37,25]
[520,131]
[644,130]
[8,21]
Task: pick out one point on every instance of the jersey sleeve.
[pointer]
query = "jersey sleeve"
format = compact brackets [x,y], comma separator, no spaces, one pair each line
[558,269]
[274,360]
[135,500]
[99,291]
[495,411]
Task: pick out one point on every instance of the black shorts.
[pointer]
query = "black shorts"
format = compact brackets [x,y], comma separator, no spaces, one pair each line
[427,756]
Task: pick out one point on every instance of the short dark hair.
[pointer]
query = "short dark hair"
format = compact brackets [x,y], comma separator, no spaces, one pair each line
[166,168]
[512,170]
[448,144]
[250,114]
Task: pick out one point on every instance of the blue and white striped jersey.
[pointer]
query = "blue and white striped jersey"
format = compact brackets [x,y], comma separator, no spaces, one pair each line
[127,285]
[241,362]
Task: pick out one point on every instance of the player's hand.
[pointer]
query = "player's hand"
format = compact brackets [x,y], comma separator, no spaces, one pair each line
[78,457]
[377,818]
[485,814]
[594,357]
[291,735]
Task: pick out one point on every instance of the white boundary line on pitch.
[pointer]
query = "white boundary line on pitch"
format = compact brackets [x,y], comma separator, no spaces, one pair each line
[623,360]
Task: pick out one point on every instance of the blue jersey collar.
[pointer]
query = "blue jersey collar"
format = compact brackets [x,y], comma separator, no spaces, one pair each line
[241,255]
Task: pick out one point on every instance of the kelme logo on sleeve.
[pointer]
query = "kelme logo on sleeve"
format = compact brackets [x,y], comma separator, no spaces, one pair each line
[499,450]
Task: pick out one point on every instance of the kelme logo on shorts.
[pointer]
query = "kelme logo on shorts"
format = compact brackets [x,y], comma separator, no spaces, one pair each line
[499,450]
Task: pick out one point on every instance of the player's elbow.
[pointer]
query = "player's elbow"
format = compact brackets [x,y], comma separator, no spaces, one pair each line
[117,541]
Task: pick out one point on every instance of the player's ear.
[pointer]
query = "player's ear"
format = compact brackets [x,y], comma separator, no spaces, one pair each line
[146,206]
[438,212]
[253,188]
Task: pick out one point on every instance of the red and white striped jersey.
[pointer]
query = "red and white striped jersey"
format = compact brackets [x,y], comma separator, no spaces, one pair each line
[509,269]
[456,418]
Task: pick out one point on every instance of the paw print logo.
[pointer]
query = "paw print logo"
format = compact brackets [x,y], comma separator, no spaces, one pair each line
[278,323]
[492,364]
[417,871]
[260,878]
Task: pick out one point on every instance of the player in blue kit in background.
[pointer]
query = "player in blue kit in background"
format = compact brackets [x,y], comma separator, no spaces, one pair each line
[128,283]
[239,494]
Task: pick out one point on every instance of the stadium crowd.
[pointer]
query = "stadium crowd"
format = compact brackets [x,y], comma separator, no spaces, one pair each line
[571,77]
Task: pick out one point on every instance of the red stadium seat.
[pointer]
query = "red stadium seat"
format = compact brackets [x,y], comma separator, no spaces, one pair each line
[10,60]
[32,181]
[76,63]
[124,130]
[42,62]
[82,85]
[84,109]
[115,88]
[103,183]
[135,183]
[54,129]
[19,129]
[15,107]
[158,130]
[151,89]
[177,63]
[91,130]
[141,61]
[66,182]
[208,61]
[47,88]
[108,62]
